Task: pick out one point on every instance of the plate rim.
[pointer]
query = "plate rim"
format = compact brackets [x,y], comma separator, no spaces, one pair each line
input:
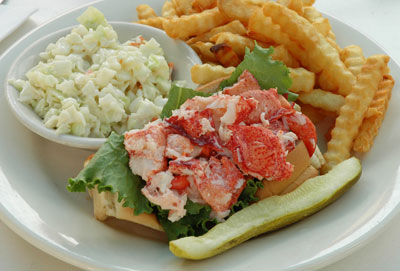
[87,263]
[26,11]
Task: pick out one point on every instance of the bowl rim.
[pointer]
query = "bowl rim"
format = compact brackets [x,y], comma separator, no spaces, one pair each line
[36,125]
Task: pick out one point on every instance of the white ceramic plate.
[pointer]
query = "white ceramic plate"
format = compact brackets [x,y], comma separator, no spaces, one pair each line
[36,205]
[16,16]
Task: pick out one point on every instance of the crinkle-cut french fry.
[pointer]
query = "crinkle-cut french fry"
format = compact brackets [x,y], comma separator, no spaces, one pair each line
[331,35]
[326,82]
[205,73]
[258,3]
[282,54]
[331,38]
[333,43]
[225,55]
[372,122]
[145,12]
[318,21]
[201,5]
[308,3]
[262,28]
[302,80]
[191,25]
[321,55]
[239,9]
[296,5]
[381,99]
[168,10]
[352,113]
[154,22]
[311,14]
[203,50]
[322,26]
[258,36]
[237,42]
[325,100]
[353,57]
[235,27]
[183,7]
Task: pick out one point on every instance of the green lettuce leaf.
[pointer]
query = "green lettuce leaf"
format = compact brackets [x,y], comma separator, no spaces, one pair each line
[248,195]
[109,170]
[269,73]
[177,96]
[196,222]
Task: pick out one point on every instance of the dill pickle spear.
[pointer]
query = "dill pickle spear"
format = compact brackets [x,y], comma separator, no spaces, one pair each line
[271,213]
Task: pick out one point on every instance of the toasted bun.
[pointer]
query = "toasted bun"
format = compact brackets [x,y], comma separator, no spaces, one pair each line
[105,204]
[301,160]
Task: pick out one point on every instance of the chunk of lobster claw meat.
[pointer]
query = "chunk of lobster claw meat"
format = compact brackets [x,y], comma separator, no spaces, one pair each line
[221,185]
[146,149]
[259,152]
[158,191]
[218,181]
[198,126]
[270,106]
[245,83]
[303,127]
[179,146]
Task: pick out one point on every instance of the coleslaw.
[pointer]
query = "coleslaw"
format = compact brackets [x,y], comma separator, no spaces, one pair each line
[89,84]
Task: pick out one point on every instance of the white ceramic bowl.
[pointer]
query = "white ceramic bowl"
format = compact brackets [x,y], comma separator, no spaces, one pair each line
[175,51]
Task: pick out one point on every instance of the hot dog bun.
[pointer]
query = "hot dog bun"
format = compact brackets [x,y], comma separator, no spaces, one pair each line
[105,205]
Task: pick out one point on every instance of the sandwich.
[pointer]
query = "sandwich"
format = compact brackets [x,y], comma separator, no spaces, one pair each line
[213,152]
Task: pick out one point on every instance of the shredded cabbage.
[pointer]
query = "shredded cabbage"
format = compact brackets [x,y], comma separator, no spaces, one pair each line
[89,84]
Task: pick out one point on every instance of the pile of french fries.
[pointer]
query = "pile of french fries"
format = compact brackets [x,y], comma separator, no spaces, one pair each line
[329,80]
